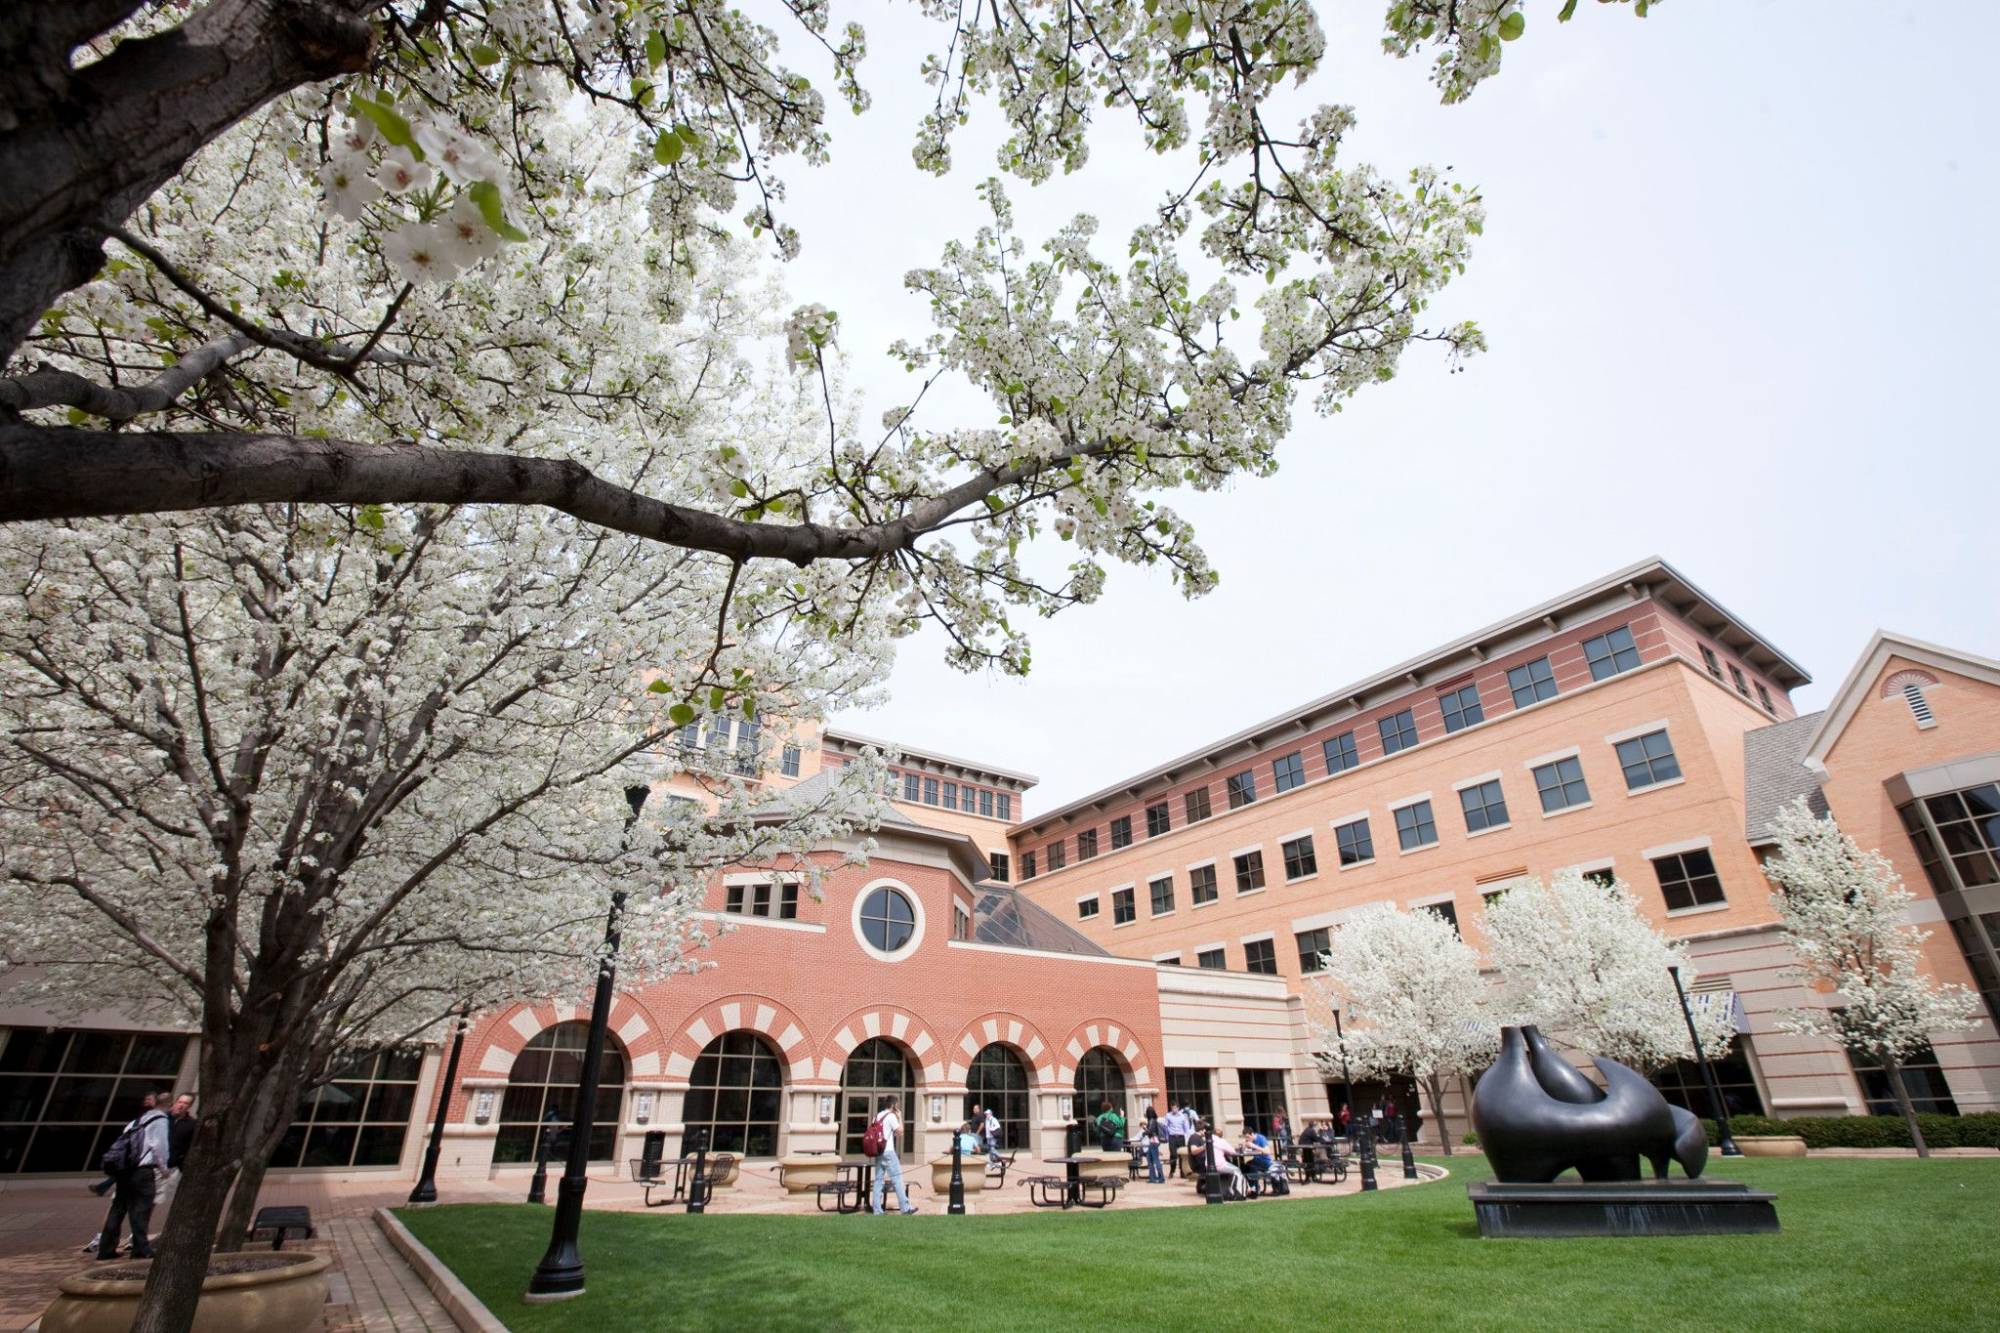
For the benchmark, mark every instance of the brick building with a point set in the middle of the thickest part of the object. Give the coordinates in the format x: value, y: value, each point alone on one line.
x: 1155, y: 938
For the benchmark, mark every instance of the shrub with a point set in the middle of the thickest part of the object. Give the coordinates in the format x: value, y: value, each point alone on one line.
x: 1471, y: 1139
x: 1873, y: 1131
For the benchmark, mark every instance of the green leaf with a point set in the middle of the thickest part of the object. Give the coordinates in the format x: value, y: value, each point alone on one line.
x: 388, y: 124
x: 486, y: 195
x: 656, y: 50
x: 1513, y: 26
x: 482, y: 54
x: 1569, y: 8
x: 371, y: 518
x: 661, y: 687
x: 1183, y: 25
x: 716, y: 698
x: 680, y: 714
x: 77, y: 416
x: 749, y: 710
x: 667, y: 149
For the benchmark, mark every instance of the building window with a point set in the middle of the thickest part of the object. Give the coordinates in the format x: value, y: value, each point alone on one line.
x: 1086, y: 908
x: 887, y: 920
x: 1681, y: 1084
x: 360, y: 1118
x: 1162, y: 890
x: 1561, y: 785
x: 877, y: 1069
x: 1058, y: 855
x: 912, y: 787
x: 718, y: 735
x: 1532, y: 682
x: 690, y: 736
x: 1742, y: 685
x: 788, y: 761
x: 1688, y: 879
x: 1189, y: 1087
x: 1212, y: 959
x: 1124, y: 911
x: 66, y: 1094
x: 998, y: 1082
x: 1004, y: 803
x: 1260, y: 956
x: 1241, y: 788
x: 1086, y: 846
x: 1157, y: 820
x: 1922, y: 1079
x: 1648, y: 760
x: 1250, y: 872
x: 1968, y: 825
x: 1121, y: 832
x: 1197, y: 805
x: 1708, y: 660
x: 737, y: 1092
x: 1354, y: 843
x: 1099, y: 1079
x: 541, y: 1093
x: 762, y: 900
x: 1485, y: 806
x: 1313, y: 944
x: 1263, y: 1098
x: 930, y: 791
x: 998, y: 861
x: 1299, y: 859
x: 1340, y: 752
x: 951, y: 796
x: 1446, y: 909
x: 985, y: 803
x: 961, y: 923
x: 1416, y: 826
x: 1201, y: 885
x: 1764, y: 698
x: 1288, y: 772
x: 1602, y: 877
x: 1461, y: 708
x: 1611, y: 653
x: 1399, y: 731
x: 1027, y: 865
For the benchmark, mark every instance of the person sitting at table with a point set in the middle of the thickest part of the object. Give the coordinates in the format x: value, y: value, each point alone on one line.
x: 1221, y: 1158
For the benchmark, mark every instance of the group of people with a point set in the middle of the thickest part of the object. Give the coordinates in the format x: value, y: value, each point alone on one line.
x: 159, y: 1138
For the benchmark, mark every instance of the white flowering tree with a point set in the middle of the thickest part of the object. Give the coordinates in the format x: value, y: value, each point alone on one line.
x: 1414, y: 1002
x: 1578, y: 959
x: 168, y: 352
x: 1843, y: 912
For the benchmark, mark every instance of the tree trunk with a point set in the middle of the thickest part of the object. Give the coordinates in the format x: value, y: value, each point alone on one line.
x: 174, y: 1285
x: 1434, y: 1083
x: 1894, y: 1068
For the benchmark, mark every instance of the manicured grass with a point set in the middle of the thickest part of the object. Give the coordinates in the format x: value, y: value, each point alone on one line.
x: 1866, y: 1245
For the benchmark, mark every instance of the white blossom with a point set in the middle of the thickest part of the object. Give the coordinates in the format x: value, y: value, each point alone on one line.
x: 399, y: 172
x: 423, y: 252
x: 349, y: 187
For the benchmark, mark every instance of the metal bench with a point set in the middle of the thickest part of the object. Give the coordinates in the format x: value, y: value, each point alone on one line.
x: 280, y: 1219
x: 651, y: 1176
x: 996, y: 1170
x: 1047, y: 1191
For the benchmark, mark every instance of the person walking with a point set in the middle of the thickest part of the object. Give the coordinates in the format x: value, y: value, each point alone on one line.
x: 888, y: 1166
x: 989, y: 1132
x: 137, y: 1178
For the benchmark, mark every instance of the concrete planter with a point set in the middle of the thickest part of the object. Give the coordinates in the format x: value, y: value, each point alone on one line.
x: 1771, y: 1145
x: 1105, y: 1165
x: 972, y: 1173
x: 270, y: 1293
x: 728, y: 1178
x: 801, y: 1175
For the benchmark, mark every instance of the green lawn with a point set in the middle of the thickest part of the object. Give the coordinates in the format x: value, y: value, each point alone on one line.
x: 1866, y: 1244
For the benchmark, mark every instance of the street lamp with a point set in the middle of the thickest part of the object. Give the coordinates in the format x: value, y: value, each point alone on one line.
x: 560, y: 1274
x: 1366, y: 1152
x: 427, y: 1189
x: 1724, y: 1142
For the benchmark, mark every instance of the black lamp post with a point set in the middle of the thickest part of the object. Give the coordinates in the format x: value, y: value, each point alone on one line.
x: 560, y: 1274
x: 1409, y: 1154
x: 1724, y: 1142
x: 1366, y: 1150
x: 427, y: 1188
x: 546, y: 1138
x: 698, y: 1191
x: 956, y: 1208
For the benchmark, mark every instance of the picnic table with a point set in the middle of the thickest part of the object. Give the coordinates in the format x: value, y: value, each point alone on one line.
x: 652, y: 1176
x: 1071, y: 1190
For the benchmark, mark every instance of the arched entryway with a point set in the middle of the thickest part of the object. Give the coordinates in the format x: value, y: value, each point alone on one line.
x: 1100, y: 1078
x: 876, y: 1069
x: 541, y: 1089
x: 737, y: 1092
x: 998, y: 1079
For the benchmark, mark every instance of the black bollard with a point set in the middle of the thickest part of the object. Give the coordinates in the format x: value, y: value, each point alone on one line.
x: 1409, y: 1157
x: 1366, y: 1153
x: 956, y: 1207
x: 698, y: 1191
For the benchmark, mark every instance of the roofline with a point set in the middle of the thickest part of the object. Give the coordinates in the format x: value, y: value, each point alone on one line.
x: 1652, y: 566
x: 979, y: 870
x: 936, y: 756
x: 1840, y: 709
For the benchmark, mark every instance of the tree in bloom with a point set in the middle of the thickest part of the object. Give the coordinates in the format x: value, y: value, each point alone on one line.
x: 176, y: 345
x: 1843, y: 913
x: 1414, y: 1000
x: 1578, y: 960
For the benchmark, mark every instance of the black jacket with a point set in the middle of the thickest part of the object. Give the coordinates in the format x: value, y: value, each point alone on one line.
x: 180, y: 1134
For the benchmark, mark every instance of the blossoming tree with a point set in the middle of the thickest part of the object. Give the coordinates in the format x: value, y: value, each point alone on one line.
x: 1842, y: 911
x: 1577, y: 959
x: 1414, y: 1000
x: 165, y: 349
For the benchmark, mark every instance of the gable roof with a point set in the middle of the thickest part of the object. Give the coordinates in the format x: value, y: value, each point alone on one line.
x: 1774, y: 774
x: 1883, y: 646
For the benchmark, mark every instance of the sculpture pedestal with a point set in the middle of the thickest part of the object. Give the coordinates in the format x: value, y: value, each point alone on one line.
x: 1623, y: 1208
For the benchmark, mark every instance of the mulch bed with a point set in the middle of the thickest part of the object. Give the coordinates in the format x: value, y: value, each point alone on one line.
x: 222, y: 1265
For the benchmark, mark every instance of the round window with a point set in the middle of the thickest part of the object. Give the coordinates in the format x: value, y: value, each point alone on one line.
x: 887, y: 920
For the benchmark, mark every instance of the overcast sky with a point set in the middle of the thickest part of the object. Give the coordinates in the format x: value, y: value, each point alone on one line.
x: 1736, y: 273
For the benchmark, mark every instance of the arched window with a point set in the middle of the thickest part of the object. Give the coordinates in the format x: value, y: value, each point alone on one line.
x: 876, y: 1069
x: 1098, y: 1080
x: 998, y: 1080
x: 736, y: 1092
x: 541, y: 1089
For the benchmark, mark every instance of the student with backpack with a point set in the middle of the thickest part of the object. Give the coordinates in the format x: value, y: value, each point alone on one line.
x: 1110, y: 1128
x: 136, y: 1160
x: 879, y: 1142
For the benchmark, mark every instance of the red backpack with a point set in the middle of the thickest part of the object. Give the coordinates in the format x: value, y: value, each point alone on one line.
x: 875, y: 1137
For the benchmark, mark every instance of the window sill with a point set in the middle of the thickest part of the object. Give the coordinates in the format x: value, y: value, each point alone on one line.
x: 1655, y: 786
x: 1120, y: 925
x: 1251, y: 893
x: 1162, y: 916
x: 1698, y: 909
x: 1210, y: 903
x: 1358, y: 865
x: 1491, y: 828
x: 1567, y: 810
x: 1304, y: 879
x: 1413, y: 851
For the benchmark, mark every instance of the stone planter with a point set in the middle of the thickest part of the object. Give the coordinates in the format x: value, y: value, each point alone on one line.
x: 728, y: 1178
x: 1771, y: 1145
x: 243, y: 1293
x: 1104, y: 1165
x: 801, y: 1175
x: 972, y: 1173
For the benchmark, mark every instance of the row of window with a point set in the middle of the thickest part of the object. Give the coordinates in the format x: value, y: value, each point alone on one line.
x: 761, y: 900
x: 1607, y: 654
x: 1743, y: 686
x: 921, y: 788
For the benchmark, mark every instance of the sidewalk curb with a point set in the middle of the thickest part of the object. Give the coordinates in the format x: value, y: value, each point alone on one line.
x: 466, y: 1309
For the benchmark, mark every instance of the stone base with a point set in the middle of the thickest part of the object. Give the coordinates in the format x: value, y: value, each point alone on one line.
x: 1623, y: 1208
